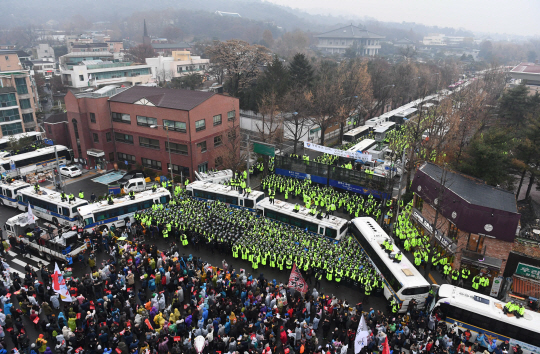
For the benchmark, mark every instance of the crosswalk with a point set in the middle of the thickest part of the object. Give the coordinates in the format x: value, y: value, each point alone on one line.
x: 18, y: 262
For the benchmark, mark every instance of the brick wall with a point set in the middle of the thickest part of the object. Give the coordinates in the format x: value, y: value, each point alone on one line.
x: 58, y: 132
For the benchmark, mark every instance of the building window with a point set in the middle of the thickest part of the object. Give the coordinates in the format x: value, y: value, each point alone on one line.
x: 218, y: 161
x: 81, y: 77
x: 111, y: 156
x: 173, y: 125
x: 231, y: 115
x: 178, y: 170
x: 179, y: 69
x: 25, y: 103
x: 123, y: 138
x: 9, y: 115
x: 218, y: 140
x: 8, y: 100
x: 202, y: 145
x: 156, y: 165
x: 217, y: 119
x: 475, y: 243
x: 92, y: 117
x: 176, y: 148
x: 96, y: 137
x: 452, y: 231
x: 28, y: 117
x: 10, y: 129
x: 108, y: 137
x: 149, y: 143
x: 125, y: 157
x: 203, y: 167
x: 121, y: 117
x: 200, y: 125
x: 21, y: 85
x: 146, y: 121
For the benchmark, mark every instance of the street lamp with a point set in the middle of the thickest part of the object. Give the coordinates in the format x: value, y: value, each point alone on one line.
x: 169, y: 149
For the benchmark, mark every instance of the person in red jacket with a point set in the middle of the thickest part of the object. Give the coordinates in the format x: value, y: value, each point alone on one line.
x: 283, y: 335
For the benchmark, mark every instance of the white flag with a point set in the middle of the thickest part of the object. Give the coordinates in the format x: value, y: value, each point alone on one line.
x: 362, y: 335
x: 59, y: 284
x: 30, y: 215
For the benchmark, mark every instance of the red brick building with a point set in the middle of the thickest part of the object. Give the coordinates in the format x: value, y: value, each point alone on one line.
x: 56, y: 129
x: 476, y: 223
x: 117, y: 125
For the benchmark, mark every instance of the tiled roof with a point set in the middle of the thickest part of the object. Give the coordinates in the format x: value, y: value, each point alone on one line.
x: 166, y: 98
x: 350, y: 32
x: 527, y: 68
x: 56, y: 118
x: 472, y: 190
x: 170, y: 45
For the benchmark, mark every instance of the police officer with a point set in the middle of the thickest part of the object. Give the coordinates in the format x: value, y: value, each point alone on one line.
x: 36, y: 188
x: 81, y: 194
x: 110, y: 199
x: 154, y: 188
x: 71, y: 198
x: 132, y: 195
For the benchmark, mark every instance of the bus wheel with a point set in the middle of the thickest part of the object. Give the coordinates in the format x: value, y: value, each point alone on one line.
x: 41, y: 254
x: 26, y: 209
x: 1, y: 202
x: 55, y: 221
x: 48, y: 257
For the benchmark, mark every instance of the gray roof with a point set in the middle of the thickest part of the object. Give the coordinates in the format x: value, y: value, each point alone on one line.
x: 184, y: 100
x: 473, y: 190
x: 56, y: 118
x: 170, y: 45
x: 350, y: 32
x: 20, y: 53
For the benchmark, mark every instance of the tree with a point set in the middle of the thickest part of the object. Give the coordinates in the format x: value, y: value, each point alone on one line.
x: 531, y: 56
x: 382, y: 86
x: 57, y: 85
x: 301, y: 71
x: 275, y: 78
x: 515, y: 105
x: 140, y: 52
x: 40, y: 84
x: 409, y: 52
x: 240, y: 62
x: 17, y: 144
x: 488, y: 158
x: 60, y: 50
x: 233, y: 156
x: 291, y: 43
x: 173, y: 33
x: 269, y: 128
x: 296, y: 120
x: 267, y: 39
x: 191, y: 81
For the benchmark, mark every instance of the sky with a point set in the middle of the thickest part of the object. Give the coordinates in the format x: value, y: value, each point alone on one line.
x: 495, y: 16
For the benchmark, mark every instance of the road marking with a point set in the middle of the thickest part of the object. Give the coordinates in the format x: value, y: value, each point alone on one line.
x: 39, y: 260
x: 12, y: 254
x: 23, y: 264
x: 21, y: 274
x: 431, y: 278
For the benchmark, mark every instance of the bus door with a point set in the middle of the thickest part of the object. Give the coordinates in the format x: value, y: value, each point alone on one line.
x: 321, y: 230
x: 241, y: 201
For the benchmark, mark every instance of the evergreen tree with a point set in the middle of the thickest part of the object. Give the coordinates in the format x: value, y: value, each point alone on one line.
x: 301, y: 71
x: 275, y: 78
x: 514, y: 105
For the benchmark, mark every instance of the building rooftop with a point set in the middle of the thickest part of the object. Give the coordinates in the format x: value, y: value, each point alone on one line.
x: 170, y: 45
x: 350, y: 32
x: 473, y: 190
x: 184, y: 100
x: 527, y: 68
x: 20, y: 53
x: 89, y: 45
x: 87, y: 54
x: 56, y: 118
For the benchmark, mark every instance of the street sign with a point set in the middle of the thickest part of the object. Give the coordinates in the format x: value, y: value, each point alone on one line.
x: 528, y: 271
x: 264, y: 149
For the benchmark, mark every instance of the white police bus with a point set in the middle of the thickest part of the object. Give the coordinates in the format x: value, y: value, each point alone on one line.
x: 356, y: 133
x: 123, y: 209
x: 212, y: 191
x: 9, y: 191
x: 333, y: 227
x: 35, y: 161
x: 48, y: 205
x: 362, y: 146
x: 402, y: 280
x: 483, y: 314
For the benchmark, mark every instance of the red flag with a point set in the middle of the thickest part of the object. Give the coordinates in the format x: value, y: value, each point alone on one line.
x: 386, y: 348
x: 296, y: 281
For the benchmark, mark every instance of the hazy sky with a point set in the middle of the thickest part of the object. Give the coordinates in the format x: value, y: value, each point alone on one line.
x: 496, y: 16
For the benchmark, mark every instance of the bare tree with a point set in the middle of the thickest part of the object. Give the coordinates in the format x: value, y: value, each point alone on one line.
x: 270, y: 127
x: 382, y: 86
x: 296, y: 121
x: 141, y: 52
x: 163, y: 75
x: 233, y: 156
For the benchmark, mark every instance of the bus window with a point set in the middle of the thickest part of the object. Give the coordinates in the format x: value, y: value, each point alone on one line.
x: 330, y: 233
x: 343, y: 228
x: 164, y: 199
x: 261, y: 197
x: 8, y: 193
x: 321, y: 230
x: 248, y: 203
x: 88, y: 221
x: 241, y: 202
x: 73, y: 210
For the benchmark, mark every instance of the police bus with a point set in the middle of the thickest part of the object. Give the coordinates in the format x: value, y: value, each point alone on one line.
x: 383, y: 129
x: 403, y: 115
x: 226, y: 194
x: 356, y: 133
x: 48, y: 205
x: 35, y: 161
x: 9, y: 191
x: 362, y: 146
x: 483, y: 314
x: 333, y: 227
x: 103, y: 214
x: 402, y: 280
x: 5, y: 142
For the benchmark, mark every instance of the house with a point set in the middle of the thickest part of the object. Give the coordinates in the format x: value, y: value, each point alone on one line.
x: 337, y: 41
x: 527, y: 74
x: 179, y: 64
x: 167, y: 48
x: 404, y: 43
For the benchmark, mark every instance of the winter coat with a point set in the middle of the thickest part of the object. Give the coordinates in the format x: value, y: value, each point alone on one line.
x: 47, y: 310
x: 48, y: 351
x: 55, y: 301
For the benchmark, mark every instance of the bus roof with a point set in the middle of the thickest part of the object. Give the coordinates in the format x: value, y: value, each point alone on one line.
x: 42, y: 151
x: 15, y: 184
x: 485, y: 305
x: 357, y: 130
x: 221, y: 189
x: 51, y: 196
x: 18, y: 136
x: 404, y: 272
x: 333, y: 222
x: 407, y: 111
x: 104, y: 205
x: 384, y: 127
x: 362, y: 146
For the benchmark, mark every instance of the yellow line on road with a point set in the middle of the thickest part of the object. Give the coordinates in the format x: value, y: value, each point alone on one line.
x: 431, y: 278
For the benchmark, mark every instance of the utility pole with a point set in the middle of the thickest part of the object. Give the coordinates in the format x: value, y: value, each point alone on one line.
x: 58, y: 169
x: 247, y: 164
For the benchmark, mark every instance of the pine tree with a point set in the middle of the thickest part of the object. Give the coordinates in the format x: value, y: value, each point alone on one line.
x: 301, y: 71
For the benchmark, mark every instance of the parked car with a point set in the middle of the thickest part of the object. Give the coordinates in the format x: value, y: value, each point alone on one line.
x: 70, y: 171
x: 130, y: 175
